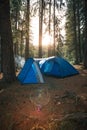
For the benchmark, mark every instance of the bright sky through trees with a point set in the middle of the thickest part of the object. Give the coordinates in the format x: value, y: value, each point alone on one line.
x: 46, y: 40
x: 35, y: 29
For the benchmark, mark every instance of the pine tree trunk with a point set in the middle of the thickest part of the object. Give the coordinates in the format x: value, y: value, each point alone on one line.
x: 49, y: 46
x: 79, y: 39
x: 75, y: 32
x: 6, y: 42
x: 85, y: 44
x: 54, y: 29
x: 40, y: 26
x: 27, y: 30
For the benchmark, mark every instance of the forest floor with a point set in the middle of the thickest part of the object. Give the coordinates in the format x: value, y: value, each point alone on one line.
x: 64, y: 104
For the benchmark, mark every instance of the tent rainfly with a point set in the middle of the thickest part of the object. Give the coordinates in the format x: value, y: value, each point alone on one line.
x: 57, y: 66
x: 30, y: 73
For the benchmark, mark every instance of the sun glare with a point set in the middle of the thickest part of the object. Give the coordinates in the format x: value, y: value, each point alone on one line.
x: 46, y: 40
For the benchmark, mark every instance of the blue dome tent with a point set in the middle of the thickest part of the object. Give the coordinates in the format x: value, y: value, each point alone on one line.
x: 57, y: 66
x: 30, y: 73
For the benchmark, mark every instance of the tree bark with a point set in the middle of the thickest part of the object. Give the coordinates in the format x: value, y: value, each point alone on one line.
x: 49, y: 46
x: 27, y: 30
x: 6, y: 42
x: 40, y: 26
x: 79, y: 33
x: 75, y: 32
x: 54, y: 29
x: 85, y: 44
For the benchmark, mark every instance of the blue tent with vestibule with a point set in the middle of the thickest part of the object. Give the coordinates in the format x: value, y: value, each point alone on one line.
x: 30, y: 73
x: 57, y: 66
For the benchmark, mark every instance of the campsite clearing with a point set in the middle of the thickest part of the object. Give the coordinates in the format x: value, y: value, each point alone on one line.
x: 66, y: 107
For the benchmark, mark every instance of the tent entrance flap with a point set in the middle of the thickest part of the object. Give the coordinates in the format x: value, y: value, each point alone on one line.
x: 30, y: 73
x: 38, y: 73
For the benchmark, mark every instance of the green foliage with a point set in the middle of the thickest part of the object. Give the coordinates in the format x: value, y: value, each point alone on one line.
x: 68, y: 50
x: 15, y: 5
x: 74, y: 42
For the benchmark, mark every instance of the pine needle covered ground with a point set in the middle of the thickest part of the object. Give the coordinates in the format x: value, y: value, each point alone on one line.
x: 65, y: 107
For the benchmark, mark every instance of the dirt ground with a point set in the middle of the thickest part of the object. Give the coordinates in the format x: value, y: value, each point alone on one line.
x: 21, y: 110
